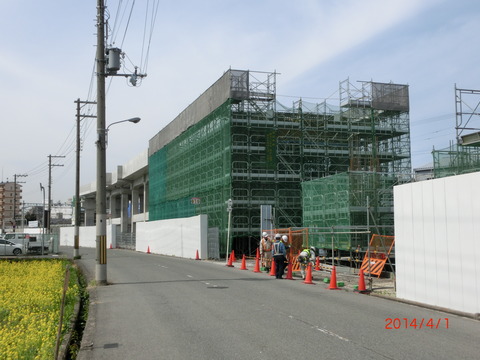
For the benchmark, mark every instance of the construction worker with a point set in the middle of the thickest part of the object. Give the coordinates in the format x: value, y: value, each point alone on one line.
x: 279, y: 254
x: 266, y: 252
x: 285, y: 241
x: 306, y: 257
x: 287, y: 247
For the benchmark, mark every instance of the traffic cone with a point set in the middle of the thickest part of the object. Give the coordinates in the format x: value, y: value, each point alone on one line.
x: 148, y: 250
x: 308, y: 277
x: 273, y: 268
x: 197, y: 257
x: 257, y: 264
x: 244, y: 265
x: 361, y: 282
x: 111, y: 246
x: 317, y: 264
x: 289, y: 271
x: 229, y: 264
x: 233, y: 256
x: 333, y: 280
x: 258, y: 254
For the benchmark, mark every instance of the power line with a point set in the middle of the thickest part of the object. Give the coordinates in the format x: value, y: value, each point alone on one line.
x: 66, y: 149
x: 128, y: 23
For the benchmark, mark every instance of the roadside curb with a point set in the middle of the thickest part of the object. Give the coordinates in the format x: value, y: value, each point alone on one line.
x: 474, y: 316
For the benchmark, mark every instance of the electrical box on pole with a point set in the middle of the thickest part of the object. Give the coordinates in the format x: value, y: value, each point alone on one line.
x: 113, y: 60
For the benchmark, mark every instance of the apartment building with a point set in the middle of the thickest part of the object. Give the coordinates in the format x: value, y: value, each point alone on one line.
x: 10, y: 199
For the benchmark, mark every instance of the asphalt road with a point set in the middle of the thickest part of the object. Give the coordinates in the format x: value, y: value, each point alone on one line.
x: 159, y: 307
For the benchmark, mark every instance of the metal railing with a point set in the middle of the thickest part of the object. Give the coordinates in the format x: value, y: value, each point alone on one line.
x: 125, y: 241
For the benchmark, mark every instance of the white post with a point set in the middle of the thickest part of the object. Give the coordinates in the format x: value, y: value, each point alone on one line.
x: 229, y: 209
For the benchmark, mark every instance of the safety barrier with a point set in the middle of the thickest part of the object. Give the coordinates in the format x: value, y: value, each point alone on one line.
x: 295, y: 264
x: 374, y: 261
x: 375, y: 267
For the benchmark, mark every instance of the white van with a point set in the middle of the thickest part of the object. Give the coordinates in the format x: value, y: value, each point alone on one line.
x: 29, y: 242
x: 17, y: 238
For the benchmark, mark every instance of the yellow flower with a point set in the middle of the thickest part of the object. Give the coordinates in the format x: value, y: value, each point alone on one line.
x: 30, y: 299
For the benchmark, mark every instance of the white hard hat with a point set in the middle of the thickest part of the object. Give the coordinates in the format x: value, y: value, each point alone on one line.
x: 264, y: 234
x: 285, y: 238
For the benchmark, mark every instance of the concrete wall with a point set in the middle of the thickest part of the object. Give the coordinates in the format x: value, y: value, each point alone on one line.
x: 87, y: 236
x: 176, y: 237
x: 437, y: 242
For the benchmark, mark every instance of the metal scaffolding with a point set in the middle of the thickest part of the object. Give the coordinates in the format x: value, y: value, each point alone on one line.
x: 236, y: 141
x: 464, y: 156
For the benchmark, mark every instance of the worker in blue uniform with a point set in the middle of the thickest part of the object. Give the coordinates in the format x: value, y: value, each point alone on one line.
x: 279, y: 254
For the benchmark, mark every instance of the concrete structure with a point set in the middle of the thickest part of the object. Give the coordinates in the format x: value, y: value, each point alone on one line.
x: 61, y: 212
x: 175, y: 237
x: 437, y: 242
x: 127, y: 198
x: 424, y: 172
x: 237, y: 142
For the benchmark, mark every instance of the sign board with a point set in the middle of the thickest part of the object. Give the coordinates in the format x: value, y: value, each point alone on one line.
x: 33, y: 224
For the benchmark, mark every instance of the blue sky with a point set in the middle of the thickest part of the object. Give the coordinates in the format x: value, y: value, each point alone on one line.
x: 48, y: 49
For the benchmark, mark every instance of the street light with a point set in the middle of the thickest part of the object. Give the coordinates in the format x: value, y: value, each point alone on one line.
x: 134, y: 120
x: 101, y: 202
x: 42, y: 189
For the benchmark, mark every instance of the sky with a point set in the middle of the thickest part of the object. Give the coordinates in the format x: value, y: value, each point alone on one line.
x: 47, y: 59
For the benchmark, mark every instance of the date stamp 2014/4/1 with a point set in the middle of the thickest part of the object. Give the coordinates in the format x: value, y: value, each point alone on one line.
x: 423, y: 323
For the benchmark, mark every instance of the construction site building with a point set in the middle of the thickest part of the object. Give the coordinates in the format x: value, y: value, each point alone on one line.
x: 237, y: 142
x: 463, y: 156
x: 455, y: 160
x: 341, y: 211
x: 373, y: 128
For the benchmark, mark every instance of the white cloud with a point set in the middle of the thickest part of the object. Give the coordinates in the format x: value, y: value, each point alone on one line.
x: 313, y: 44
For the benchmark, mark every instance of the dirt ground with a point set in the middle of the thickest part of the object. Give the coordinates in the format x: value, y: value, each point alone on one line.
x: 349, y: 280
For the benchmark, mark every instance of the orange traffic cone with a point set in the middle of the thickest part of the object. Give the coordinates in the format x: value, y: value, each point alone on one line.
x: 111, y: 246
x: 233, y: 256
x: 244, y: 265
x: 317, y: 264
x: 148, y: 250
x: 361, y: 282
x: 258, y: 254
x: 197, y: 257
x: 273, y: 268
x: 333, y: 280
x: 257, y: 264
x: 229, y: 264
x: 289, y: 271
x: 308, y: 277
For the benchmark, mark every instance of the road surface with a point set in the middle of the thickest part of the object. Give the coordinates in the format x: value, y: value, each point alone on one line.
x: 160, y: 307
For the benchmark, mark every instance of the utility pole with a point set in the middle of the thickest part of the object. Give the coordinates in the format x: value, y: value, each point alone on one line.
x: 15, y: 182
x: 101, y: 202
x: 50, y: 165
x: 76, y: 245
x: 104, y: 70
